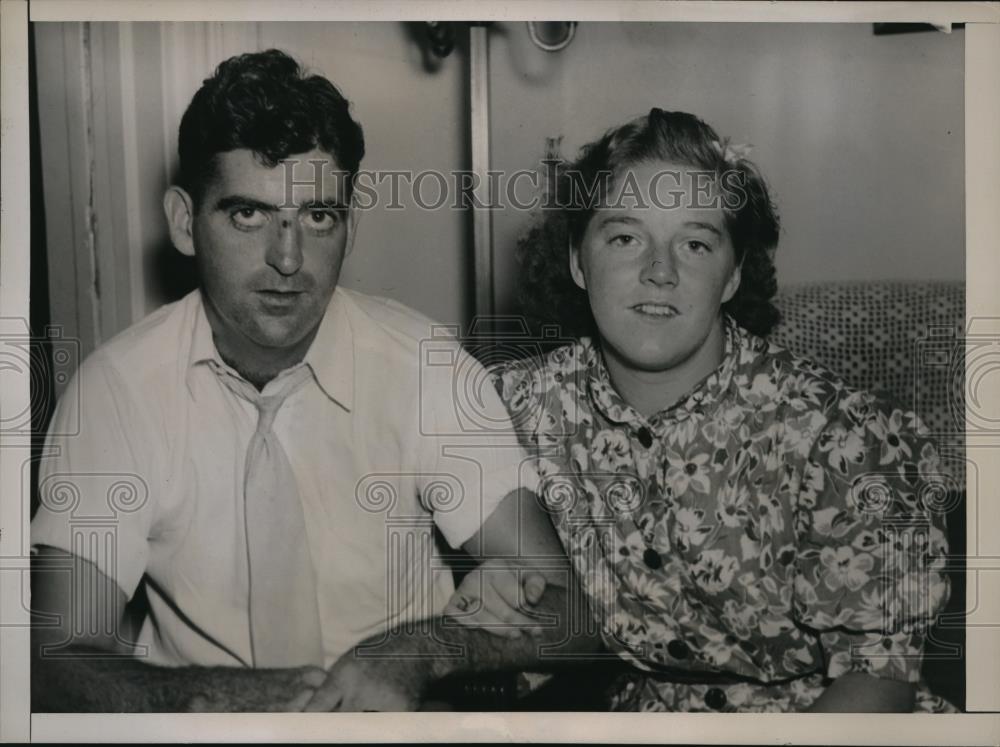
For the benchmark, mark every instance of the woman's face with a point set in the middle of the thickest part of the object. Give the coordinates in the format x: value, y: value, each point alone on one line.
x: 657, y: 264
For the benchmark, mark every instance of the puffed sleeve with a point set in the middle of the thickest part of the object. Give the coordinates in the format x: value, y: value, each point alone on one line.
x: 522, y: 388
x: 869, y: 523
x: 544, y: 408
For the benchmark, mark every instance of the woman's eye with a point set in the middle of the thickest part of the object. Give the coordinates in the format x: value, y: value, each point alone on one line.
x: 623, y: 239
x: 248, y: 217
x: 698, y: 247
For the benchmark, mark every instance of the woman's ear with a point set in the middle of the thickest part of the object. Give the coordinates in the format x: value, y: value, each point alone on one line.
x: 179, y: 208
x: 575, y: 268
x: 733, y: 284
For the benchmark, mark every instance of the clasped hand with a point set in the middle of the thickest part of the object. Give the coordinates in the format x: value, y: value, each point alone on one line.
x: 498, y: 597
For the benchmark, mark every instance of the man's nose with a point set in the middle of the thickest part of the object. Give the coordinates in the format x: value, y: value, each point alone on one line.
x: 285, y: 254
x: 660, y: 267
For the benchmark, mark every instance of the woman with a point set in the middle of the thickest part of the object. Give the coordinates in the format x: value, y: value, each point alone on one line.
x: 750, y: 531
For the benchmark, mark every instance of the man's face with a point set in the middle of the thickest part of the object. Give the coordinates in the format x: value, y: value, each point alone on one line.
x: 269, y: 261
x: 657, y: 276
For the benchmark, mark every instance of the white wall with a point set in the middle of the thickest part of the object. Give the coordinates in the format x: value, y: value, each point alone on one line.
x: 111, y: 96
x: 413, y: 120
x: 860, y: 136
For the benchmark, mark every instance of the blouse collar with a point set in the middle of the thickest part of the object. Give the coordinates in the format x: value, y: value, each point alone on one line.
x: 739, y: 350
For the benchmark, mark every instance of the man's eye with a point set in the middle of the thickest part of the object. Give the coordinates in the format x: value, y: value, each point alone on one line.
x: 321, y: 220
x: 248, y: 217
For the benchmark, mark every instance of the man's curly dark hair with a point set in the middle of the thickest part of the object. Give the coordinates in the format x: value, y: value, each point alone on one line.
x: 265, y: 102
x: 548, y: 293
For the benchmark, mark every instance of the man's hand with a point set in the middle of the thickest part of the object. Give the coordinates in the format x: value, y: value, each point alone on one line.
x: 499, y: 596
x: 371, y: 684
x: 523, y: 584
x: 257, y: 690
x: 410, y: 660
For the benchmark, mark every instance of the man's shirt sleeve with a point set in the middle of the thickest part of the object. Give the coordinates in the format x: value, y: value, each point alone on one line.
x: 470, y: 448
x: 94, y: 484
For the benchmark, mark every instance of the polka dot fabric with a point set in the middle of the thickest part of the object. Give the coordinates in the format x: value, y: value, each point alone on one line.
x: 900, y: 339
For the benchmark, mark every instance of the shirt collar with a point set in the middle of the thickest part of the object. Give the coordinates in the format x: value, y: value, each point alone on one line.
x: 330, y: 357
x: 738, y: 350
x: 203, y: 348
x: 603, y: 393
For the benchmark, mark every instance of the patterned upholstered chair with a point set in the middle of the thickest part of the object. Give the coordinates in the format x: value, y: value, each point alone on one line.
x: 900, y: 339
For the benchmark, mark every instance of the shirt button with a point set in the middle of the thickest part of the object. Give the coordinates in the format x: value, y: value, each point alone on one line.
x: 678, y: 649
x: 645, y: 437
x: 652, y: 558
x: 715, y: 699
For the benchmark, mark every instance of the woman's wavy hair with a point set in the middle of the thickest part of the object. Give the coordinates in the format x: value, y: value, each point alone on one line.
x: 265, y: 102
x: 548, y: 293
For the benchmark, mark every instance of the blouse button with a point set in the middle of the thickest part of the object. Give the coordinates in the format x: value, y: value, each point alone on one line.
x: 645, y: 437
x: 652, y: 558
x: 715, y: 699
x: 677, y: 649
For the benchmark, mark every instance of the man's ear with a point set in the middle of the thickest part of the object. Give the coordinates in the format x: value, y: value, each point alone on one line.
x: 575, y: 268
x: 733, y: 284
x: 179, y: 208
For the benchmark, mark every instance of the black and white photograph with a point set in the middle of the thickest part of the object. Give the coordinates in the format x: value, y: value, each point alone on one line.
x: 642, y: 363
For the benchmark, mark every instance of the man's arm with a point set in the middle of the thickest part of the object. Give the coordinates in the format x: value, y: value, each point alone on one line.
x: 81, y: 655
x: 519, y: 554
x: 391, y: 672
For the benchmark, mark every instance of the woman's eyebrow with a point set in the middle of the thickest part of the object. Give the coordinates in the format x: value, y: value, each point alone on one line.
x: 703, y: 226
x: 607, y: 220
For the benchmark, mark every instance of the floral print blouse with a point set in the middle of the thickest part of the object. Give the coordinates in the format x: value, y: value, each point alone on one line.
x: 771, y: 531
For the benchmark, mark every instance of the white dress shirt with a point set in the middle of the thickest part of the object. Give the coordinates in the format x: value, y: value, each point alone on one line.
x: 397, y: 430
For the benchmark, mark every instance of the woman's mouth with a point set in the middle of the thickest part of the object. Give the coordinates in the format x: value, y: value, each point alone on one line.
x: 661, y: 310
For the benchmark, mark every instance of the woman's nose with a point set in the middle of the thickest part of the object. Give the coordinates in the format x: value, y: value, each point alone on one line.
x: 660, y: 268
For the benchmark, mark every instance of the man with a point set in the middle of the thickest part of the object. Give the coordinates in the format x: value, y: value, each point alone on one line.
x: 284, y: 450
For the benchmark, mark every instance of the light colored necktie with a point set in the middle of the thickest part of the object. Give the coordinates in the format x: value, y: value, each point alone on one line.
x: 284, y: 613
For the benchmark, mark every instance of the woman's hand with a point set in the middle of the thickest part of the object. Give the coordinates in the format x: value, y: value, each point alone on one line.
x: 856, y: 692
x: 499, y: 596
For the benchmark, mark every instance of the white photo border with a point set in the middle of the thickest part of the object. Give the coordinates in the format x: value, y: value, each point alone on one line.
x: 982, y: 101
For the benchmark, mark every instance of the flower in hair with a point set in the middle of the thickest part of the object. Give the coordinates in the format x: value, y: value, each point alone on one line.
x: 732, y: 152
